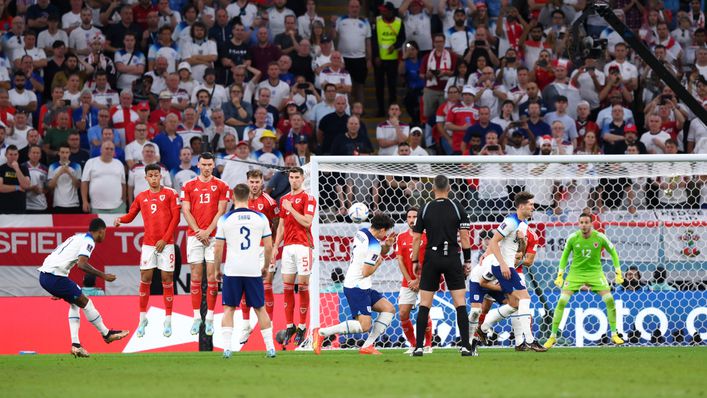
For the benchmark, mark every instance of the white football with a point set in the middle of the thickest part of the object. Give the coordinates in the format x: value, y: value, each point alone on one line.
x: 358, y: 212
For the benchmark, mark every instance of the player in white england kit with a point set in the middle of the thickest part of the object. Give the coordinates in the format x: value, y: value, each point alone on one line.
x: 54, y: 278
x: 243, y: 230
x: 502, y: 249
x: 367, y: 254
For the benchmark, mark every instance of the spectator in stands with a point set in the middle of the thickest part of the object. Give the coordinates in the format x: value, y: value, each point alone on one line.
x: 697, y: 135
x: 659, y: 281
x: 56, y: 135
x: 351, y: 142
x: 116, y: 33
x: 21, y: 98
x: 326, y: 106
x: 64, y: 180
x: 253, y: 132
x: 632, y: 280
x: 264, y: 52
x: 674, y: 184
x: 134, y: 150
x: 103, y: 183
x: 185, y: 171
x: 589, y: 145
x: 613, y: 133
x: 108, y: 135
x: 123, y: 116
x: 290, y: 137
x: 631, y: 139
x: 268, y: 154
x: 584, y: 122
x: 12, y: 42
x: 95, y: 133
x: 85, y: 116
x: 437, y: 67
x: 391, y: 132
x: 14, y: 183
x: 460, y: 118
x: 331, y: 126
x: 7, y: 110
x: 654, y: 139
x: 38, y: 13
x: 278, y: 90
x: 36, y: 55
x: 129, y: 62
x: 222, y: 31
x: 78, y: 154
x: 218, y: 130
x: 561, y: 87
x: 415, y: 142
x: 535, y: 123
x: 482, y: 127
x: 335, y: 74
x: 136, y: 176
x: 190, y: 126
x: 36, y: 193
x: 200, y: 52
x: 104, y: 97
x: 287, y: 41
x: 590, y: 82
x: 218, y: 93
x: 13, y: 136
x: 568, y: 122
x: 169, y: 142
x: 389, y: 34
x: 101, y: 62
x: 234, y: 166
x: 409, y: 69
x: 237, y: 112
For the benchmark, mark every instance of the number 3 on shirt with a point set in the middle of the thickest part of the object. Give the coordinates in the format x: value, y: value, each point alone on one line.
x: 205, y: 198
x: 246, y: 236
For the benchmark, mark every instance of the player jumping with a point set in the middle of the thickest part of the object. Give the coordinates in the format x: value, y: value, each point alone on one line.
x: 54, y: 278
x: 298, y: 209
x: 503, y: 246
x: 366, y: 257
x: 204, y: 201
x: 243, y: 230
x: 160, y: 214
x: 262, y: 203
x: 586, y: 245
x: 411, y: 282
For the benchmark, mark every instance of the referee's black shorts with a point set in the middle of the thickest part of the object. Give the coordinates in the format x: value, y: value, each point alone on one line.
x: 436, y: 265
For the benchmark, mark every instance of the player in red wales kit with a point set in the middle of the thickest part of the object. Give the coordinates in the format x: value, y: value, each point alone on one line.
x: 160, y: 214
x: 407, y: 297
x: 297, y: 212
x: 204, y: 201
x: 262, y: 203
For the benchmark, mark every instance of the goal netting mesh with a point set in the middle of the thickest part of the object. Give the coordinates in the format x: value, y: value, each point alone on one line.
x: 653, y: 208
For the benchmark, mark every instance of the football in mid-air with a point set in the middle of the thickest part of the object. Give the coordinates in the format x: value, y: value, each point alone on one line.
x: 358, y: 212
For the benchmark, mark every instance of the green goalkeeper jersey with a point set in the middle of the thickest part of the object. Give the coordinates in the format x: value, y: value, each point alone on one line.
x: 586, y: 255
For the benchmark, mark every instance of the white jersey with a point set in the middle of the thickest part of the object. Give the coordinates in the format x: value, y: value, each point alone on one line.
x: 65, y: 256
x: 509, y: 244
x: 365, y: 250
x: 243, y: 229
x: 482, y: 271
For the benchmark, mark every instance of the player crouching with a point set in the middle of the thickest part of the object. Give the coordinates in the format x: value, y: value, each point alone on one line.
x: 243, y: 230
x: 366, y: 257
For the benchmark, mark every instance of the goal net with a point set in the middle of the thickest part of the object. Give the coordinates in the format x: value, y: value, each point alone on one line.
x: 652, y: 207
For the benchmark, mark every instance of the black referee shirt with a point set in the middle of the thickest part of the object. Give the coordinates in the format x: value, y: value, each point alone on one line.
x: 442, y: 219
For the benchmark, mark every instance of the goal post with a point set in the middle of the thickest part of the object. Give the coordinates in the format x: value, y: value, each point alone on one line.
x: 652, y: 207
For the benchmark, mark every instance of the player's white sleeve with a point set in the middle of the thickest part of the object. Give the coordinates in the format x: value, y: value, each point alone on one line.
x: 87, y: 245
x: 374, y: 252
x: 266, y: 226
x: 219, y: 228
x: 508, y: 226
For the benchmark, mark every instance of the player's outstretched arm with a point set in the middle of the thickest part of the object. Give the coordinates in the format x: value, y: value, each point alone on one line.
x: 82, y: 264
x: 128, y: 218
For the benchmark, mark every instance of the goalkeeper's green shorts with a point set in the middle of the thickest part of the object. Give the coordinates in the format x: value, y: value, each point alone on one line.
x: 595, y: 283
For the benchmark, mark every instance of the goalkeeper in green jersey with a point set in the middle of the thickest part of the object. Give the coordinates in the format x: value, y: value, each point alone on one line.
x: 586, y: 246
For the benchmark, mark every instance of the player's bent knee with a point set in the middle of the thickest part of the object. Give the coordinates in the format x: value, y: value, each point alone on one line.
x: 81, y: 301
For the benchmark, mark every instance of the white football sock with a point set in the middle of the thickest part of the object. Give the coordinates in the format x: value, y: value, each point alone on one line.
x: 524, y: 320
x: 496, y: 315
x: 143, y: 316
x: 346, y: 327
x: 197, y: 314
x: 74, y: 323
x: 168, y: 319
x: 267, y: 338
x: 517, y: 330
x: 227, y: 335
x: 379, y: 326
x: 210, y: 315
x: 94, y: 317
x: 302, y: 326
x: 473, y: 322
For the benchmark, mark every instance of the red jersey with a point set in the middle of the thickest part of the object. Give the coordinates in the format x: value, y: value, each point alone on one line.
x: 265, y: 204
x: 461, y: 115
x: 295, y: 233
x: 203, y: 198
x: 530, y: 247
x: 404, y: 249
x: 160, y: 214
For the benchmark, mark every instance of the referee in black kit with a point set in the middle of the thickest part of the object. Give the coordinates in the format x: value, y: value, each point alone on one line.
x: 442, y: 219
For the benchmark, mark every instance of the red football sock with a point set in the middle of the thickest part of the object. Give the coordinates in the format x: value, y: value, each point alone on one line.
x: 168, y: 297
x: 245, y: 309
x: 428, y: 333
x: 289, y: 303
x: 409, y: 331
x: 481, y: 319
x: 269, y: 299
x: 211, y: 293
x: 195, y: 294
x: 303, y: 304
x: 144, y: 295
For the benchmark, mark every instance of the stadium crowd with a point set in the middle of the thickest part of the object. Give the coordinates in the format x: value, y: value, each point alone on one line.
x: 92, y: 91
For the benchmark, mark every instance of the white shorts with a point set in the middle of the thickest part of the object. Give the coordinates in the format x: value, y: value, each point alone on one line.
x: 296, y: 259
x: 197, y: 252
x: 407, y: 296
x: 150, y: 259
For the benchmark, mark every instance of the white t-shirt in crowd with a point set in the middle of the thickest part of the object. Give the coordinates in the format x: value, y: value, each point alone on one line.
x: 66, y: 194
x: 106, y: 182
x: 353, y: 33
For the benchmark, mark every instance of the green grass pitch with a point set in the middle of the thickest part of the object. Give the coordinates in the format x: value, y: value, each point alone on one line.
x: 589, y: 372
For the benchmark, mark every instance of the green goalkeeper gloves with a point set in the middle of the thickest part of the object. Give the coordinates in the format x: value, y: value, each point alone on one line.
x: 619, y: 277
x: 559, y: 280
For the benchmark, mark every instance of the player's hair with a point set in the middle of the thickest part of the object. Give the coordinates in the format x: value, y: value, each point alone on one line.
x: 382, y: 221
x: 522, y: 198
x: 207, y: 156
x: 297, y: 170
x: 585, y: 214
x: 254, y: 173
x: 241, y: 192
x: 441, y: 183
x: 96, y: 224
x: 152, y: 167
x: 412, y: 208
